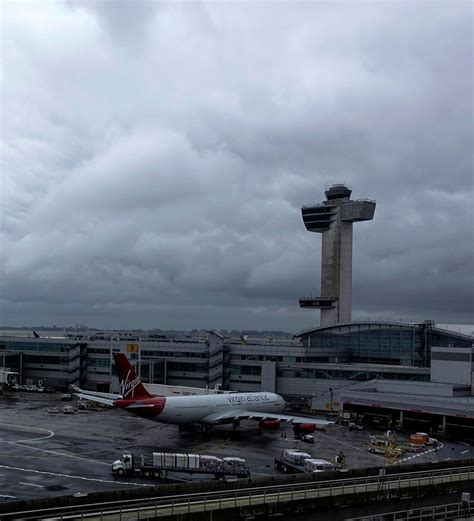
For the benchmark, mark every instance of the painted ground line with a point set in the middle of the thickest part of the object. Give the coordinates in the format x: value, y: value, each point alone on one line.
x: 30, y: 484
x: 57, y: 474
x: 440, y: 446
x: 73, y: 456
x: 349, y: 445
x: 464, y: 451
x: 33, y: 429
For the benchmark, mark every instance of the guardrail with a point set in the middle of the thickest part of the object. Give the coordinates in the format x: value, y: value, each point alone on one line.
x: 250, y: 496
x: 439, y: 512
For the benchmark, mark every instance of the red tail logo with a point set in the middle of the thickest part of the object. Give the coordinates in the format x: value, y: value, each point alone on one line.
x: 130, y: 385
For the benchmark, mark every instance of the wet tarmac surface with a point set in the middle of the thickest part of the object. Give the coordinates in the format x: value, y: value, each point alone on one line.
x: 47, y: 454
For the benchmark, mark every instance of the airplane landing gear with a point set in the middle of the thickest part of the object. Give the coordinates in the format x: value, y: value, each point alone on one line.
x: 205, y: 430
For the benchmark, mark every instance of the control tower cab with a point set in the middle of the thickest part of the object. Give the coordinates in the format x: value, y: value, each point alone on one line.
x: 333, y: 218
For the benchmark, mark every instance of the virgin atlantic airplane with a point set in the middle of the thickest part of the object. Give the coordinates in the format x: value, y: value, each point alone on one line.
x: 207, y: 410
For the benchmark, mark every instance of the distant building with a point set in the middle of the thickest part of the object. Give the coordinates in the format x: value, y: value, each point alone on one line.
x: 47, y: 361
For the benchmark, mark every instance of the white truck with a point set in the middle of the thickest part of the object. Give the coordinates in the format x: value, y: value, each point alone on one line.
x: 292, y: 460
x: 158, y: 464
x: 317, y: 465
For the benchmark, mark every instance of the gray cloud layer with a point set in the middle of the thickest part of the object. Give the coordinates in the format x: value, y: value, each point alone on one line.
x: 156, y: 155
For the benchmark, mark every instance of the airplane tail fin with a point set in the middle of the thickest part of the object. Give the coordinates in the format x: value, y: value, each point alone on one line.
x: 35, y: 334
x: 130, y: 385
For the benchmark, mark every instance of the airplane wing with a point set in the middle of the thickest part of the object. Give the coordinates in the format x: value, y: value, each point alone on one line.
x: 225, y: 417
x: 95, y: 396
x: 98, y: 399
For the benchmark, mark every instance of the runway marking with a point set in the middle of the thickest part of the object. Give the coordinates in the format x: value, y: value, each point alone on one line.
x: 464, y: 452
x: 225, y: 442
x: 57, y: 453
x: 23, y: 427
x: 464, y: 443
x: 30, y: 484
x: 57, y: 474
x: 418, y: 454
x: 349, y: 445
x: 7, y: 497
x: 447, y: 459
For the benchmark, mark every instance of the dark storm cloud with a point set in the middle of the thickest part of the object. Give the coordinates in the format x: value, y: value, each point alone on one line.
x: 155, y: 162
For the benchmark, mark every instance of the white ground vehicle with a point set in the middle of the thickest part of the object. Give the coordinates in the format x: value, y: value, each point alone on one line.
x: 291, y: 460
x: 317, y: 465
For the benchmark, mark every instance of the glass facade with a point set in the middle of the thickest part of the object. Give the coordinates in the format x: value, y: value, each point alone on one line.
x: 385, y: 343
x: 344, y: 374
x: 24, y: 345
x: 254, y: 370
x: 187, y: 367
x: 173, y: 354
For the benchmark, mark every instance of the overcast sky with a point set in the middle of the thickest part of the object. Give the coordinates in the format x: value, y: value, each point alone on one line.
x: 156, y: 156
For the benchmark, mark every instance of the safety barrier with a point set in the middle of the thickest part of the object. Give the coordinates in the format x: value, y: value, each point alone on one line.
x: 462, y: 510
x: 382, y: 485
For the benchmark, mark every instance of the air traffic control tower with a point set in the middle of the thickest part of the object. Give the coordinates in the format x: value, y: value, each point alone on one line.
x: 333, y: 218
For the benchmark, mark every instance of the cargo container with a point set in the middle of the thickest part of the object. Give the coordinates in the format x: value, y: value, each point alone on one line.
x: 159, y: 464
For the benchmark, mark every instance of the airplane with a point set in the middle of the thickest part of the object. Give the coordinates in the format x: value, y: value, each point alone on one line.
x: 207, y: 410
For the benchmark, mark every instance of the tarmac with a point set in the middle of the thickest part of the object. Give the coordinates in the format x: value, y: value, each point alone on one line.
x: 48, y: 453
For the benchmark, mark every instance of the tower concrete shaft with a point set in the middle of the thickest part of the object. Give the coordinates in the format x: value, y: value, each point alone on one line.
x: 334, y: 219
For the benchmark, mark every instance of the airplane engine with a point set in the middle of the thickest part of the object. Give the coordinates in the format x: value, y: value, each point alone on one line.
x: 269, y: 425
x: 306, y: 428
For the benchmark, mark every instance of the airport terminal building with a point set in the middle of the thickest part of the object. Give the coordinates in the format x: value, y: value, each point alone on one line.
x: 306, y: 370
x: 410, y: 376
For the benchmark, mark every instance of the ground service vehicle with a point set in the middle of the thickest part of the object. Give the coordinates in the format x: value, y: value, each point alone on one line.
x: 420, y: 439
x: 387, y: 446
x: 317, y: 465
x: 292, y: 460
x: 158, y: 464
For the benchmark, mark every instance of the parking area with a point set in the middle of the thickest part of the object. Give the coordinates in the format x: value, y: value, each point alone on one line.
x: 46, y: 451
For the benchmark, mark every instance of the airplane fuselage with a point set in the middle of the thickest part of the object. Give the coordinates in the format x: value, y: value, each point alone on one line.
x: 182, y: 410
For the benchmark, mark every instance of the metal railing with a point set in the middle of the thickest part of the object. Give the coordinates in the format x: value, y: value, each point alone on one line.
x: 462, y: 510
x: 253, y: 495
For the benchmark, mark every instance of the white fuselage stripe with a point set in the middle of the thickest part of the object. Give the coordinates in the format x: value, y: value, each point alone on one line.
x: 190, y: 409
